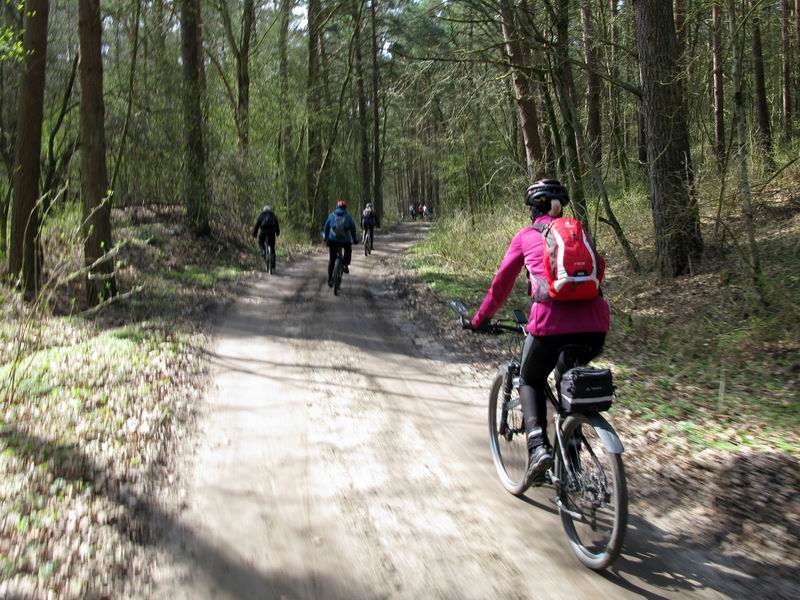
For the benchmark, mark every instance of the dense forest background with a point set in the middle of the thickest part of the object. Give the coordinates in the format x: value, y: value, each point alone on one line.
x: 214, y: 108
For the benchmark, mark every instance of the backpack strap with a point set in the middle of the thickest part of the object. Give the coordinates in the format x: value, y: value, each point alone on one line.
x: 542, y: 227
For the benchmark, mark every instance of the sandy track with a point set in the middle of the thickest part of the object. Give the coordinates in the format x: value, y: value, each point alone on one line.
x: 336, y: 460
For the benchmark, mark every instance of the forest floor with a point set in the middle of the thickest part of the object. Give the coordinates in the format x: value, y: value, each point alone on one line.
x: 93, y: 403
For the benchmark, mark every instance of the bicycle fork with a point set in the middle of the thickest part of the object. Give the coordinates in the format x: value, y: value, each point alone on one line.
x: 511, y: 371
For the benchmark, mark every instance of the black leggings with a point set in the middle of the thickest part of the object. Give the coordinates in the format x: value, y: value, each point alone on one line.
x: 539, y: 357
x: 333, y: 250
x: 267, y: 239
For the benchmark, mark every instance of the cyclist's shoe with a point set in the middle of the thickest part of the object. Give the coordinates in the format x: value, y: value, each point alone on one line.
x: 540, y: 461
x: 330, y: 282
x: 346, y: 269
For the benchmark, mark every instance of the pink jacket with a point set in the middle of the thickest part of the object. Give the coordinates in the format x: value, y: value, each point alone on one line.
x: 547, y: 317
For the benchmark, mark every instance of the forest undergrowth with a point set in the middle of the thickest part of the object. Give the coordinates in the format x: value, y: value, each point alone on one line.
x: 91, y: 401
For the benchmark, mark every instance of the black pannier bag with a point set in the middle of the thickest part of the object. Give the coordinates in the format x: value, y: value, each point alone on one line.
x: 586, y: 389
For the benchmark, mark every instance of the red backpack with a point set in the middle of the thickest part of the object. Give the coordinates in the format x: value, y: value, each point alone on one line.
x: 574, y: 271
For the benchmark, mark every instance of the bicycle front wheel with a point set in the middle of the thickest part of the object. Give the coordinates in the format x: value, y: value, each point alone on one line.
x: 507, y: 438
x: 593, y: 494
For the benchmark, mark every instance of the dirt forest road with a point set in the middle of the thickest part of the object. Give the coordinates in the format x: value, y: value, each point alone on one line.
x: 336, y: 458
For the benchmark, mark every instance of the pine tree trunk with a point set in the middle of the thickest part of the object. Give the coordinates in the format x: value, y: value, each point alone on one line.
x: 197, y: 196
x: 314, y: 107
x: 564, y: 87
x: 594, y: 130
x: 762, y: 108
x: 100, y: 282
x: 719, y: 90
x: 361, y: 101
x: 526, y: 106
x: 741, y: 121
x: 787, y: 72
x: 287, y: 158
x: 675, y: 211
x: 23, y: 257
x: 243, y: 75
x: 377, y: 158
x: 617, y: 120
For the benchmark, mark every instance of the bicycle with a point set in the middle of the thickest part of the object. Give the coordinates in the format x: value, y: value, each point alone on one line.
x: 588, y: 473
x: 268, y: 260
x: 338, y: 271
x: 367, y: 241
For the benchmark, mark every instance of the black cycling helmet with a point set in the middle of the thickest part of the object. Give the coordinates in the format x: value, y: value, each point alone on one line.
x: 540, y: 193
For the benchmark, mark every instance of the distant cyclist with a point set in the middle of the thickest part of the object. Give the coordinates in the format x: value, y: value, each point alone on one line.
x: 267, y: 229
x: 413, y: 211
x: 339, y: 232
x: 369, y: 220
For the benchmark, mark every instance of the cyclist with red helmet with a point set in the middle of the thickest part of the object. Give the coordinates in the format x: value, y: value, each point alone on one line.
x: 551, y: 325
x: 339, y: 232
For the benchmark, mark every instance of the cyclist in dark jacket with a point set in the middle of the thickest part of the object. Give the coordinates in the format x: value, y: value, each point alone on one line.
x: 267, y: 229
x: 369, y: 220
x: 339, y: 232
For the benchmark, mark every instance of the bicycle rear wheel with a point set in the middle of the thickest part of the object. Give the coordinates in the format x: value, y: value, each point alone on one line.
x: 268, y: 258
x: 508, y: 443
x: 593, y: 499
x: 337, y: 276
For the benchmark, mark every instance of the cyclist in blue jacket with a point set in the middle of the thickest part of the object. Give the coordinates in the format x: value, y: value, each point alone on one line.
x: 339, y: 232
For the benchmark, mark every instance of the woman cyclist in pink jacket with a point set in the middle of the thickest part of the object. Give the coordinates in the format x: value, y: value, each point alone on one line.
x: 551, y: 324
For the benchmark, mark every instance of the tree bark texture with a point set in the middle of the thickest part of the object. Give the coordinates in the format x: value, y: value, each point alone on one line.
x: 377, y: 154
x: 361, y: 100
x: 100, y: 281
x: 617, y: 121
x: 594, y: 130
x: 760, y: 88
x: 786, y: 71
x: 719, y: 89
x: 675, y: 211
x: 23, y: 257
x: 526, y: 105
x: 564, y: 88
x: 197, y: 195
x: 287, y: 155
x: 741, y: 121
x: 314, y: 109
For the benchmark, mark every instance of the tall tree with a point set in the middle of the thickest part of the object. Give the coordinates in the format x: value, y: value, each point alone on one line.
x: 786, y: 62
x: 617, y: 123
x: 526, y: 105
x: 240, y: 47
x: 719, y: 90
x: 741, y: 120
x: 287, y: 155
x: 377, y: 154
x: 675, y: 211
x: 361, y: 101
x: 23, y: 257
x: 197, y: 194
x: 593, y: 88
x: 314, y: 109
x: 760, y: 88
x: 100, y: 281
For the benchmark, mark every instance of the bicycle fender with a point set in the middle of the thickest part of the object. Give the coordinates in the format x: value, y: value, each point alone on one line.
x: 607, y: 434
